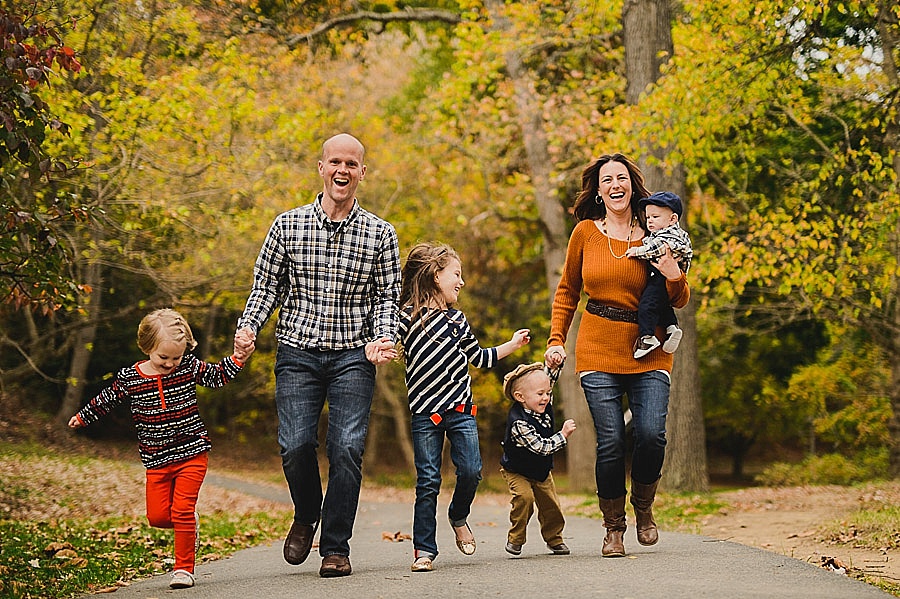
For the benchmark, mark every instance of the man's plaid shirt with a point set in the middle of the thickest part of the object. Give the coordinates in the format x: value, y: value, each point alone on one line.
x: 337, y: 283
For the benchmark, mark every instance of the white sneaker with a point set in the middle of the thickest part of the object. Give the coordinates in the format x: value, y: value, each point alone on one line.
x: 181, y: 579
x: 673, y: 339
x: 644, y: 345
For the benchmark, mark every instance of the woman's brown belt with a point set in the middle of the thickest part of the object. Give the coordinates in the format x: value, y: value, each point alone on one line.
x: 611, y: 312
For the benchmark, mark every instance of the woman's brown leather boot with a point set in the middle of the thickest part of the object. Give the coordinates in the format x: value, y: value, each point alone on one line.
x: 614, y: 521
x: 642, y: 497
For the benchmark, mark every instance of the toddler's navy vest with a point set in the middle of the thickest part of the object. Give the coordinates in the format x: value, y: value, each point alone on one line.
x: 521, y: 460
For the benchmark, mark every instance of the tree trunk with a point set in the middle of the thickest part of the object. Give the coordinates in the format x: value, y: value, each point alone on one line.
x: 81, y: 348
x: 581, y: 451
x: 894, y: 422
x: 205, y: 347
x: 647, y: 26
x: 648, y: 45
x: 582, y: 447
x: 889, y: 42
x: 685, y: 468
x: 399, y: 411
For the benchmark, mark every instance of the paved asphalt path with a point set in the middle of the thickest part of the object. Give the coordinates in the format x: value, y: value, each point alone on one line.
x: 679, y: 566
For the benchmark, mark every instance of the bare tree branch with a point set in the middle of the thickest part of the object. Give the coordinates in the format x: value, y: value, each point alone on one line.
x: 32, y: 366
x: 408, y: 15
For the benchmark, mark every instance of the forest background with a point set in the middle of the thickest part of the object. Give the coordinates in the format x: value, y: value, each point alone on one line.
x: 147, y: 146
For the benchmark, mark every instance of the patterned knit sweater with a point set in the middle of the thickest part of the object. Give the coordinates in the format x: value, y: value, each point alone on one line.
x: 606, y: 345
x: 164, y: 408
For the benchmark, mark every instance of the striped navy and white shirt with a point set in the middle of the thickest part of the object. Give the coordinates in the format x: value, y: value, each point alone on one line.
x: 439, y: 346
x: 337, y: 283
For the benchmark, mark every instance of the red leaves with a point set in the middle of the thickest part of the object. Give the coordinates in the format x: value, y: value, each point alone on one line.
x: 65, y: 57
x: 29, y: 52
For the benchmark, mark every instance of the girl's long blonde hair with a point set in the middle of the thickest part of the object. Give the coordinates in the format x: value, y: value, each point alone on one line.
x: 418, y: 286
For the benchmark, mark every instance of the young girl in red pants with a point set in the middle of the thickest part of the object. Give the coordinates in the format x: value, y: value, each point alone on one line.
x: 172, y: 439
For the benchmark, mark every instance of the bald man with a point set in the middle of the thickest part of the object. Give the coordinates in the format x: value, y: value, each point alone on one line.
x: 333, y: 269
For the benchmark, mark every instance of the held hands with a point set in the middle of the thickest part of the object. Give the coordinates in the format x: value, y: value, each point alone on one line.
x: 568, y: 428
x: 380, y: 351
x: 555, y: 356
x: 244, y: 344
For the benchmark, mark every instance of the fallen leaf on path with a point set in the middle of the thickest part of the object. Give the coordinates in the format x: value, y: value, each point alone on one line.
x: 395, y: 537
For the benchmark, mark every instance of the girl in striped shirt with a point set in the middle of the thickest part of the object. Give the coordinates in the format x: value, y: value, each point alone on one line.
x: 438, y: 346
x: 172, y: 439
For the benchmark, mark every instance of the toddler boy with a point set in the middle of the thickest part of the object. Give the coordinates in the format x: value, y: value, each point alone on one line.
x: 528, y: 448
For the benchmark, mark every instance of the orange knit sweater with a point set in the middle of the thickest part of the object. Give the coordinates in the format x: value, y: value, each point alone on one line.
x: 602, y: 344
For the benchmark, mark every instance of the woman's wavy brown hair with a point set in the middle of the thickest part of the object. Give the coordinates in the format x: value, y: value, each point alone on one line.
x: 586, y: 204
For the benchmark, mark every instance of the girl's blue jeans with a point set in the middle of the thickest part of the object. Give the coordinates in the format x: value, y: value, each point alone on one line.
x: 428, y: 444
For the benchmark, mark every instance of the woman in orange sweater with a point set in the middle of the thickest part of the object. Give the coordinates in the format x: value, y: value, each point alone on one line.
x: 610, y: 223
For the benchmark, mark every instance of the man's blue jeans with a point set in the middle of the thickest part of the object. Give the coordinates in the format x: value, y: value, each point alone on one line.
x: 428, y: 444
x: 304, y: 379
x: 648, y: 398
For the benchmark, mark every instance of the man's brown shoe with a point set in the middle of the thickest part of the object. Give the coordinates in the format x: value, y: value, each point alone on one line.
x: 334, y: 566
x: 298, y: 543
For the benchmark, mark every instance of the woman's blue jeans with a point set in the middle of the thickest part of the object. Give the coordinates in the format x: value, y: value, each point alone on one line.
x: 648, y: 398
x: 428, y: 444
x: 304, y: 379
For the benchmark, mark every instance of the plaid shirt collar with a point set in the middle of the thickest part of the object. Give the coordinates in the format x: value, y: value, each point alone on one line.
x: 542, y: 417
x: 322, y: 219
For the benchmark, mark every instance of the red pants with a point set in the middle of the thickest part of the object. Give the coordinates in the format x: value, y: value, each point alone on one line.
x: 172, y: 501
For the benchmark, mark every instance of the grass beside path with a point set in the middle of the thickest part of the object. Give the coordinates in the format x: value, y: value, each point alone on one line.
x: 69, y: 558
x: 72, y: 524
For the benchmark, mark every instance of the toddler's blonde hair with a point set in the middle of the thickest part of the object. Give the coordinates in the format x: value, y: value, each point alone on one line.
x: 161, y: 325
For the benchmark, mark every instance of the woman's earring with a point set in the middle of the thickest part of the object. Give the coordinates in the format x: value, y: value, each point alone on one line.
x: 598, y: 200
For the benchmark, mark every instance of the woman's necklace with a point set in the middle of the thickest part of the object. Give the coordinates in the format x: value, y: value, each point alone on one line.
x: 609, y: 243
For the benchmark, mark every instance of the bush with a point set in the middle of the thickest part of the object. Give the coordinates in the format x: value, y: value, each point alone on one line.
x: 828, y: 469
